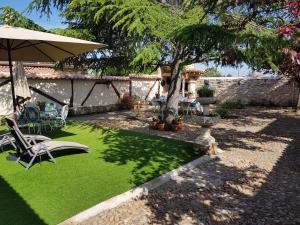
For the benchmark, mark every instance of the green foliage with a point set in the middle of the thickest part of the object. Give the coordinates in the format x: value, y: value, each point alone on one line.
x: 78, y: 33
x: 212, y: 72
x: 225, y: 108
x: 144, y: 34
x: 233, y: 105
x: 177, y: 120
x: 205, y: 92
x: 223, y: 112
x: 10, y: 16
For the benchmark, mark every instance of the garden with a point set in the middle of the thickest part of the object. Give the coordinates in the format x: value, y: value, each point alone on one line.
x: 50, y: 193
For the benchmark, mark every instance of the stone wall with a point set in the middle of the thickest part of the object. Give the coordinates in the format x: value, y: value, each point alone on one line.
x: 255, y: 91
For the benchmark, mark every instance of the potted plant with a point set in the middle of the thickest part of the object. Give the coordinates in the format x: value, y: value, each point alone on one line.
x: 205, y: 92
x: 177, y: 123
x: 160, y: 124
x: 206, y: 97
x: 136, y: 102
x: 208, y: 121
x: 127, y: 102
x: 153, y: 124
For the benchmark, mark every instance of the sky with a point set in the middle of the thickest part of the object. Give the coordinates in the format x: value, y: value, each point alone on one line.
x: 241, y: 70
x: 55, y: 21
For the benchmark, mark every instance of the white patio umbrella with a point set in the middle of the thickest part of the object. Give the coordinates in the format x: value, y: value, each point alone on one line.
x: 19, y: 44
x: 20, y: 81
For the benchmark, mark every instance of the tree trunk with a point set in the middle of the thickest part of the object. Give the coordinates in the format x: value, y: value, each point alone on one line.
x: 297, y: 100
x: 173, y: 95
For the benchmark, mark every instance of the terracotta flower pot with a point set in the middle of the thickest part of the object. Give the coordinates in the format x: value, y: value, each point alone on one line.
x: 136, y: 105
x: 175, y: 127
x: 160, y: 126
x: 153, y: 125
x: 180, y: 125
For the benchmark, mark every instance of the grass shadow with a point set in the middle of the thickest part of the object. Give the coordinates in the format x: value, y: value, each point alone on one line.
x: 13, y: 209
x: 151, y: 155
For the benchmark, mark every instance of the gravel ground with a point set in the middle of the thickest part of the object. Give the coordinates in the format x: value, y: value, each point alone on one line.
x: 139, y: 122
x: 256, y: 180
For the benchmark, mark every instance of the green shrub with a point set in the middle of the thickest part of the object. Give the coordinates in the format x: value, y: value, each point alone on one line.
x: 205, y: 92
x: 233, y: 105
x: 223, y: 112
x: 224, y: 109
x: 2, y: 120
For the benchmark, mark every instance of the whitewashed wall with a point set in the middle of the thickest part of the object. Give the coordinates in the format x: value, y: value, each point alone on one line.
x: 101, y: 95
x: 142, y: 87
x: 252, y: 91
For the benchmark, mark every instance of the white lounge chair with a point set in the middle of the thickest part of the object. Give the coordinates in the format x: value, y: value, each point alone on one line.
x: 38, y: 149
x: 8, y: 139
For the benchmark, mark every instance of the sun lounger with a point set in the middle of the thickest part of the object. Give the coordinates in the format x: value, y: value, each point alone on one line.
x: 39, y: 149
x: 8, y: 139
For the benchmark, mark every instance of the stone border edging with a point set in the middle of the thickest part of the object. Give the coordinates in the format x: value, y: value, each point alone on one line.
x: 135, y: 192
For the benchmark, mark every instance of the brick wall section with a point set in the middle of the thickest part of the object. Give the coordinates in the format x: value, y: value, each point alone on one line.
x: 262, y: 91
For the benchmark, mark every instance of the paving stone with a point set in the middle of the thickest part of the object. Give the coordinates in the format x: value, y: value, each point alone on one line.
x: 255, y: 181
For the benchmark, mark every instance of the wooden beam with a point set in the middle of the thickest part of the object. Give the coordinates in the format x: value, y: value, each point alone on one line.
x: 89, y: 94
x: 116, y: 90
x: 71, y: 103
x: 151, y: 89
x: 47, y: 96
x: 130, y: 88
x: 4, y: 82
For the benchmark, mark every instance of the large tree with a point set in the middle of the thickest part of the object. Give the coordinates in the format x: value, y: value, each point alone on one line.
x: 283, y: 15
x: 172, y: 33
x: 10, y: 16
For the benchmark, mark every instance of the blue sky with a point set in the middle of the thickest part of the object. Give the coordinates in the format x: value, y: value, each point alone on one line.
x: 241, y: 70
x: 55, y: 21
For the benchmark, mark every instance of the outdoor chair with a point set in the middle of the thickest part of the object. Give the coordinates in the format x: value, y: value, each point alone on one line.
x: 194, y: 106
x: 38, y: 149
x: 33, y: 119
x: 156, y: 104
x: 8, y: 139
x: 61, y: 119
x: 51, y: 109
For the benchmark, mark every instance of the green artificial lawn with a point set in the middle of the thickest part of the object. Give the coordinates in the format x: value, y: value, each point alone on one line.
x: 50, y: 193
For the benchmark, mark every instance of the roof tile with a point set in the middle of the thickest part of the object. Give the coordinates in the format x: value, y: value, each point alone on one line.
x: 34, y: 72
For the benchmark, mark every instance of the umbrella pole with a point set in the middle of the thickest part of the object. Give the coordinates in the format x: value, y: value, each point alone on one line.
x: 11, y: 76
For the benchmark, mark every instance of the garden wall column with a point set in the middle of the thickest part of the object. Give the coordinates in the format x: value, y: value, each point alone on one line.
x: 183, y: 86
x: 192, y: 86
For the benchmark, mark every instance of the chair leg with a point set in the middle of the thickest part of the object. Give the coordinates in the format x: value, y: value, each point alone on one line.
x: 30, y: 163
x: 51, y: 157
x: 13, y: 144
x: 18, y: 159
